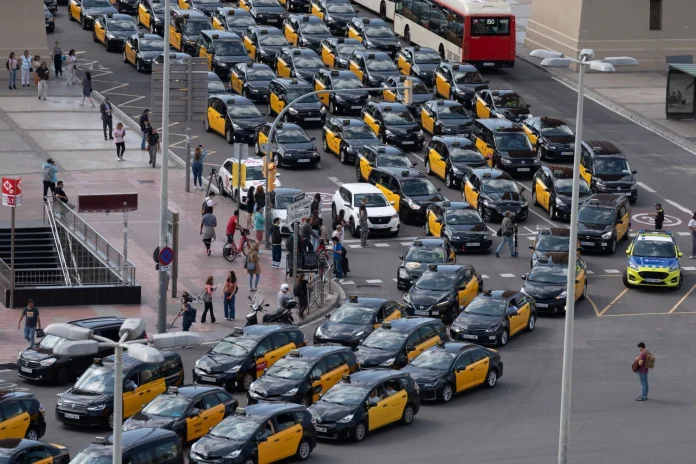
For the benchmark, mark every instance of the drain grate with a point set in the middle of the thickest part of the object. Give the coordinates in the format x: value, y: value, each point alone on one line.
x: 146, y: 181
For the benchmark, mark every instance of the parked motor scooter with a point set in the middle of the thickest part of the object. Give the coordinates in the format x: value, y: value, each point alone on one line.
x: 257, y: 304
x: 283, y: 315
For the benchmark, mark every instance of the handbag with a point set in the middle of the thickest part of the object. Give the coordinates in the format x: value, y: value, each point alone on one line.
x: 500, y: 232
x: 207, y: 297
x: 635, y: 366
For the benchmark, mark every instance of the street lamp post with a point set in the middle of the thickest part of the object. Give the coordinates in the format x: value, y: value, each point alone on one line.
x: 555, y: 59
x: 84, y: 342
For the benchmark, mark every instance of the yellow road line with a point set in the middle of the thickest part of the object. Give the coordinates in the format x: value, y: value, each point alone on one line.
x: 682, y: 299
x: 612, y: 302
x: 594, y: 306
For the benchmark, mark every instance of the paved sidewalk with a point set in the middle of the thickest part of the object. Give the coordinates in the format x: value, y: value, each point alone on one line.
x: 32, y: 131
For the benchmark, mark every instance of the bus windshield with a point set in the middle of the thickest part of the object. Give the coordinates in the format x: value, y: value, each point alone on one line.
x: 490, y: 26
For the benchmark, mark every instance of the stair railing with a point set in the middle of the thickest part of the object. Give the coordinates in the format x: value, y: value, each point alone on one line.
x: 48, y: 205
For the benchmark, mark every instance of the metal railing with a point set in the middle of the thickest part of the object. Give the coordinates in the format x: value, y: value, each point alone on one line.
x: 48, y: 205
x: 86, y: 276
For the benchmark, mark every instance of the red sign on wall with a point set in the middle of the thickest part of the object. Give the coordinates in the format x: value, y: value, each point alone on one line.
x: 12, y: 191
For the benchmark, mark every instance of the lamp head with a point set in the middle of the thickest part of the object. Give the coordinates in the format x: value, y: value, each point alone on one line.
x: 587, y: 54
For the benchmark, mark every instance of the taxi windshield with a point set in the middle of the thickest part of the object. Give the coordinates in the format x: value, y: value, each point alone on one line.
x: 167, y: 406
x: 486, y: 307
x: 93, y: 455
x: 208, y: 1
x: 380, y: 65
x: 499, y: 186
x: 357, y: 132
x: 393, y: 161
x: 435, y: 359
x: 561, y: 129
x: 235, y: 346
x: 382, y: 31
x: 236, y: 428
x: 259, y: 74
x: 565, y: 187
x: 435, y: 281
x: 241, y: 20
x: 266, y: 3
x: 347, y: 83
x: 95, y: 4
x: 469, y: 77
x: 613, y: 165
x: 96, y: 379
x: 288, y: 368
x: 508, y: 100
x: 453, y: 112
x: 459, y: 217
x: 122, y: 25
x: 353, y: 314
x: 294, y: 94
x: 229, y: 48
x: 427, y: 57
x: 51, y: 342
x: 548, y: 274
x: 346, y: 394
x: 512, y: 142
x: 254, y: 173
x: 151, y: 45
x: 347, y: 49
x: 398, y: 118
x: 272, y: 40
x: 385, y: 339
x: 340, y: 7
x: 216, y: 87
x: 292, y: 136
x: 421, y: 254
x: 465, y: 155
x: 654, y: 249
x: 596, y: 215
x: 158, y: 8
x: 374, y: 200
x: 308, y: 62
x: 314, y: 28
x: 195, y: 27
x: 553, y: 243
x: 418, y: 187
x: 243, y: 111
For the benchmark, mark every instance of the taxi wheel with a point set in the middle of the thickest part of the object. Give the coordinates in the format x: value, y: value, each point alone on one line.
x: 428, y: 171
x: 221, y: 187
x: 358, y: 176
x: 612, y: 249
x: 540, y: 153
x: 257, y: 149
x: 427, y: 228
x: 138, y: 65
x: 152, y: 27
x: 447, y: 393
x: 269, y: 110
x: 324, y: 145
x: 249, y: 461
x: 206, y: 124
x: 535, y: 201
x: 448, y: 180
x: 82, y: 22
x: 303, y: 451
x: 111, y: 420
x: 503, y: 337
x: 342, y: 156
x: 332, y: 108
x: 531, y: 323
x: 584, y: 291
x: 359, y: 432
x: 409, y: 414
x: 228, y: 135
x: 32, y: 434
x: 481, y: 210
x: 492, y: 378
x: 247, y: 381
x: 552, y: 211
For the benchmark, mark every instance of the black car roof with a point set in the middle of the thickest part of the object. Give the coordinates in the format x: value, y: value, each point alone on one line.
x: 129, y: 362
x: 556, y: 231
x: 271, y: 409
x: 390, y: 106
x: 429, y: 242
x: 237, y: 11
x: 216, y: 34
x: 233, y: 99
x: 600, y: 147
x: 147, y: 36
x: 498, y: 294
x: 500, y: 125
x: 18, y: 444
x: 257, y: 331
x: 407, y: 324
x: 448, y: 103
x: 401, y: 78
x: 447, y: 268
x: 118, y: 16
x: 380, y: 149
x: 286, y: 82
x: 498, y: 92
x: 456, y: 347
x: 404, y: 173
x: 348, y: 121
x: 491, y: 173
x: 191, y: 391
x: 6, y: 394
x: 603, y: 199
x: 364, y: 301
x: 373, y: 21
x: 136, y: 437
x: 338, y: 74
x: 382, y: 56
x: 416, y: 48
x: 292, y: 51
x: 269, y: 29
x: 306, y: 18
x: 454, y: 205
x: 460, y: 66
x: 551, y: 122
x: 373, y: 376
x: 553, y: 259
x: 342, y: 40
x: 559, y: 172
x: 317, y: 351
x: 452, y: 140
x: 96, y: 322
x: 192, y: 14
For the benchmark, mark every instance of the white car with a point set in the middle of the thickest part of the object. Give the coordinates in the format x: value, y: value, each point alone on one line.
x: 381, y: 215
x: 281, y: 198
x: 254, y: 177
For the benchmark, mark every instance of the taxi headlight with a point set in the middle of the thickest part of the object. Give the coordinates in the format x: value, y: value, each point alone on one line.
x: 236, y: 127
x: 388, y: 362
x: 488, y: 203
x: 412, y: 204
x: 48, y: 362
x: 404, y: 275
x: 455, y: 170
x: 96, y: 408
x: 233, y: 370
x: 455, y: 329
x: 233, y: 454
x: 599, y: 183
x: 60, y: 401
x: 388, y: 133
x: 359, y: 334
x: 319, y: 332
x: 346, y: 419
x: 505, y: 160
x: 351, y: 150
x: 322, y: 110
x: 290, y: 392
x: 559, y: 202
x: 430, y: 385
x: 110, y: 36
x: 562, y: 295
x: 441, y: 304
x: 501, y: 116
x: 292, y: 111
x: 607, y: 235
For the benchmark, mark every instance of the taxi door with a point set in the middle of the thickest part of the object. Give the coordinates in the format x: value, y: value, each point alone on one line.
x: 388, y: 95
x: 470, y: 196
x: 479, y: 370
x: 392, y: 313
x: 623, y: 223
x: 100, y: 31
x: 483, y: 148
x: 195, y: 427
x: 519, y: 321
x: 217, y: 24
x: 244, y: 5
x: 542, y: 193
x: 333, y: 142
x: 395, y: 406
x: 386, y: 184
x: 17, y: 425
x: 378, y: 415
x: 75, y: 9
x: 143, y: 16
x: 533, y: 138
x: 250, y: 47
x: 357, y: 70
x: 329, y: 379
x: 144, y: 394
x: 403, y: 64
x: 316, y: 10
x: 282, y: 68
x: 174, y: 37
x: 290, y: 34
x: 434, y: 226
x: 427, y: 121
x: 354, y: 34
x: 236, y: 83
x: 276, y: 103
x: 469, y: 290
x: 442, y: 85
x: 212, y: 416
x: 286, y: 442
x: 183, y: 4
x: 272, y: 356
x: 579, y: 280
x: 437, y: 163
x: 585, y: 167
x: 204, y: 53
x: 372, y: 122
x: 327, y: 57
x: 464, y: 377
x: 262, y: 141
x: 324, y: 96
x: 216, y: 121
x: 425, y: 342
x: 130, y: 53
x: 364, y: 165
x: 482, y: 109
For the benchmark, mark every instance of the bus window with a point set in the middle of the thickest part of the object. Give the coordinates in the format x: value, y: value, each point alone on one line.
x: 490, y: 26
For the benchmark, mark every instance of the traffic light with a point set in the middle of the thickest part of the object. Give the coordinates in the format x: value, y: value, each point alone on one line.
x: 270, y: 181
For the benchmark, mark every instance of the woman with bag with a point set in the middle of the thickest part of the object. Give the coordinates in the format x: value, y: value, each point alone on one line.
x: 229, y: 293
x: 253, y: 266
x: 35, y: 65
x: 25, y: 63
x: 71, y: 66
x: 208, y: 300
x: 87, y: 89
x: 208, y: 225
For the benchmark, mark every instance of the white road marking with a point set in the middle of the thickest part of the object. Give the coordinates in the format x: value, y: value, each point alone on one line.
x: 405, y: 243
x: 114, y: 88
x: 395, y: 279
x: 381, y: 245
x: 612, y: 271
x: 507, y: 275
x: 354, y: 246
x: 209, y: 343
x: 684, y: 234
x: 646, y: 187
x: 484, y: 276
x: 679, y: 207
x: 531, y: 238
x: 417, y: 156
x: 346, y: 282
x: 689, y: 268
x: 530, y: 230
x: 336, y: 180
x: 357, y: 240
x: 373, y: 281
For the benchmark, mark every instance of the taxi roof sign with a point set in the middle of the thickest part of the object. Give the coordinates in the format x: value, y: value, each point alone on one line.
x: 353, y: 298
x: 305, y: 18
x: 173, y: 390
x: 346, y: 378
x: 386, y: 325
x: 230, y: 13
x: 263, y: 31
x: 366, y: 20
x: 456, y: 144
x: 216, y: 36
x: 455, y: 67
x: 295, y: 353
x: 381, y: 150
x: 101, y: 440
x: 432, y: 267
x: 237, y: 332
x: 241, y: 411
x: 297, y: 52
x: 371, y: 56
x: 335, y: 72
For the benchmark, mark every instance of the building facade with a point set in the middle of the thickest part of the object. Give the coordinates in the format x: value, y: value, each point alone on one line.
x: 22, y: 27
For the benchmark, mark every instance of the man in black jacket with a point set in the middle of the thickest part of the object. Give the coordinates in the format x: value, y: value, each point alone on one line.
x: 43, y: 73
x: 144, y: 121
x: 107, y: 119
x: 276, y: 243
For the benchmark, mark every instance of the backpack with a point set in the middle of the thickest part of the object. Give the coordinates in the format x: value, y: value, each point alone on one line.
x: 47, y: 175
x: 7, y: 65
x: 204, y: 207
x: 650, y: 361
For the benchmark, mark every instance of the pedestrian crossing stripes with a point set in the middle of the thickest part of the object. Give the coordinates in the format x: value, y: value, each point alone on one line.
x: 588, y: 272
x: 684, y: 234
x: 381, y: 245
x: 612, y: 271
x: 507, y: 276
x: 373, y: 281
x: 689, y: 268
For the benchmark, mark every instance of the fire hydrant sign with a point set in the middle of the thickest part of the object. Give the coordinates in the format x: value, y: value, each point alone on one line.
x: 12, y: 191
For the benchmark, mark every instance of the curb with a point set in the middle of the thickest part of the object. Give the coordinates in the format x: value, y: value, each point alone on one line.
x: 340, y: 297
x: 8, y: 366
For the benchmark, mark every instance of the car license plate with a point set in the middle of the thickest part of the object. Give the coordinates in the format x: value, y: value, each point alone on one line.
x: 473, y: 244
x: 626, y: 194
x: 356, y: 107
x: 523, y: 169
x: 586, y: 243
x: 408, y: 142
x: 653, y: 281
x: 321, y: 429
x: 489, y: 64
x: 312, y: 119
x: 542, y: 305
x: 208, y: 379
x: 470, y: 337
x: 303, y: 161
x: 72, y: 416
x: 380, y: 226
x: 568, y: 153
x: 422, y: 313
x: 25, y: 369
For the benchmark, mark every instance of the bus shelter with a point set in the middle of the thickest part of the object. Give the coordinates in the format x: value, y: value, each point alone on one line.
x: 681, y: 91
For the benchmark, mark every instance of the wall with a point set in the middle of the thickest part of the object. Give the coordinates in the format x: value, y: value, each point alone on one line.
x: 22, y: 27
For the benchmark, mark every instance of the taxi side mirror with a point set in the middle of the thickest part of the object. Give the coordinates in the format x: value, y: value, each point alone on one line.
x: 524, y: 276
x: 248, y: 50
x: 261, y: 439
x: 512, y: 312
x: 194, y: 412
x: 634, y: 172
x: 401, y: 257
x: 620, y: 221
x: 410, y: 347
x: 317, y: 389
x: 328, y: 316
x: 414, y: 164
x: 531, y: 247
x: 490, y: 145
x: 577, y: 281
x: 438, y: 220
x: 315, y: 378
x: 312, y: 139
x: 392, y: 202
x: 527, y: 106
x: 129, y: 387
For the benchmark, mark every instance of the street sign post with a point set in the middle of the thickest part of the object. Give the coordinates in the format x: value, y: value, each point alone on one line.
x: 166, y: 256
x: 12, y: 197
x: 296, y: 211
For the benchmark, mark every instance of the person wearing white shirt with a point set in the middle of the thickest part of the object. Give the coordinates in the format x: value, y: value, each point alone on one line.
x: 692, y: 228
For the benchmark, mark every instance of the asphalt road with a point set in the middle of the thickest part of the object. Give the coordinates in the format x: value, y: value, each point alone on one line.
x: 518, y: 421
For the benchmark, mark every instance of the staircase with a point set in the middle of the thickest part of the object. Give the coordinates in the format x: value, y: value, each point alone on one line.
x: 36, y: 260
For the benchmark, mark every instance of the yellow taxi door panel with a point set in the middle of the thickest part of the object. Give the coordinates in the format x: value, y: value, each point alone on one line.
x: 324, y: 97
x: 482, y: 111
x: 194, y: 427
x: 391, y: 196
x: 269, y: 450
x: 353, y: 66
x: 442, y: 87
x: 276, y: 103
x: 326, y: 57
x: 143, y: 16
x: 404, y: 66
x: 274, y: 355
x: 469, y: 293
x: 484, y: 150
x: 388, y: 95
x: 465, y: 378
x: 215, y: 121
x: 365, y: 168
x: 396, y: 314
x: 437, y: 164
x: 48, y: 460
x: 427, y: 122
x: 144, y: 394
x: 263, y: 140
x: 396, y: 404
x: 217, y: 25
x: 433, y: 225
x: 174, y: 38
x: 251, y: 48
x: 15, y: 427
x: 372, y: 122
x: 236, y: 83
x: 289, y: 440
x: 378, y: 415
x: 470, y: 196
x: 316, y: 11
x: 532, y: 138
x: 421, y: 347
x: 541, y: 194
x: 203, y: 53
x: 291, y: 36
x: 283, y: 68
x: 519, y: 321
x: 623, y: 227
x: 480, y: 371
x: 213, y: 416
x: 244, y: 5
x: 331, y: 141
x: 330, y: 379
x: 585, y: 174
x: 353, y: 34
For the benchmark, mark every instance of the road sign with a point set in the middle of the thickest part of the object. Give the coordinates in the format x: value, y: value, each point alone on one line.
x: 299, y: 209
x: 166, y: 256
x: 12, y: 191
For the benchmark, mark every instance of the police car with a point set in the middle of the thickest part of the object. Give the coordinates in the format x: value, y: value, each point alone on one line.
x: 653, y: 261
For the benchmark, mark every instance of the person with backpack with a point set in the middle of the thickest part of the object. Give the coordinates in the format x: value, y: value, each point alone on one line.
x: 276, y: 243
x: 12, y: 65
x: 507, y: 233
x: 643, y: 362
x: 49, y: 174
x: 188, y: 316
x: 208, y: 202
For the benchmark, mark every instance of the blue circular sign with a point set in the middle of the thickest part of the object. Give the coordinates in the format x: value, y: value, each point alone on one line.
x: 166, y: 256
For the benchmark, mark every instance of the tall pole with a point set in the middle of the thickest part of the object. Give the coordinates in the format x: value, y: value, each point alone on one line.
x: 567, y: 376
x: 125, y: 247
x: 162, y: 299
x: 295, y: 251
x: 189, y: 111
x: 267, y: 210
x: 118, y: 405
x: 12, y: 256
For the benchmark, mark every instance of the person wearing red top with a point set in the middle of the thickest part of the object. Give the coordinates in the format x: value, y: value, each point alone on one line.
x: 643, y: 371
x: 232, y: 226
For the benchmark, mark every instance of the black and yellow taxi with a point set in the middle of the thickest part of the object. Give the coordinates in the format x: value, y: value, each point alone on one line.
x: 235, y: 20
x: 259, y: 433
x: 151, y: 16
x: 157, y: 445
x: 266, y: 12
x: 129, y: 7
x: 305, y: 31
x: 179, y: 58
x: 86, y: 11
x: 603, y: 220
x: 206, y: 7
x: 380, y: 156
x: 235, y: 118
x: 263, y: 43
x: 606, y: 169
x: 90, y: 401
x: 505, y: 145
x: 552, y: 189
x: 222, y: 49
x: 349, y: 96
x: 364, y: 402
x: 23, y: 416
x: 375, y: 34
x: 552, y: 137
x: 419, y: 92
x: 448, y: 157
x: 653, y: 261
x: 409, y: 190
x: 241, y: 357
x: 308, y: 111
x: 422, y: 253
x: 460, y: 223
x: 394, y: 124
x: 445, y: 117
x: 336, y: 52
x: 301, y: 63
x: 443, y: 290
x: 493, y: 192
x: 371, y: 67
x: 301, y: 6
x: 547, y: 282
x: 189, y: 410
x: 251, y: 80
x: 293, y: 147
x: 21, y: 451
x: 449, y: 368
x: 141, y: 50
x: 345, y: 137
x: 494, y: 316
x: 501, y: 104
x: 113, y: 30
x: 420, y: 62
x: 184, y: 28
x: 397, y: 342
x: 303, y: 375
x: 355, y: 319
x: 335, y: 13
x: 459, y: 82
x: 553, y: 240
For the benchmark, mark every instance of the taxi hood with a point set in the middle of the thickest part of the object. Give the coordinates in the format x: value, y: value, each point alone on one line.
x: 271, y: 386
x: 584, y: 227
x: 101, y: 10
x: 622, y: 177
x: 329, y: 412
x: 422, y: 299
x: 507, y: 196
x: 36, y: 353
x: 543, y: 291
x: 422, y: 375
x: 560, y: 138
x: 209, y: 447
x: 520, y: 153
x: 370, y: 357
x: 140, y: 420
x: 249, y: 123
x: 85, y: 398
x: 213, y: 362
x: 207, y: 8
x: 340, y: 330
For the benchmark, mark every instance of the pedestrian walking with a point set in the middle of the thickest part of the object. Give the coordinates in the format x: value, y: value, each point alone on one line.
x: 199, y: 155
x: 119, y: 139
x: 692, y: 228
x: 49, y: 174
x: 12, y: 67
x: 316, y: 203
x: 250, y: 205
x: 208, y: 300
x: 208, y: 202
x: 362, y: 220
x: 58, y: 60
x: 259, y: 223
x: 87, y: 89
x: 229, y: 295
x: 301, y: 292
x: 276, y: 244
x: 35, y: 65
x: 43, y: 74
x: 107, y: 118
x: 208, y: 225
x: 507, y: 233
x: 339, y: 220
x: 641, y: 365
x: 153, y: 146
x: 144, y: 121
x: 659, y: 216
x: 32, y: 321
x: 253, y: 266
x: 337, y: 249
x: 70, y: 67
x: 315, y: 221
x: 26, y: 69
x: 232, y: 226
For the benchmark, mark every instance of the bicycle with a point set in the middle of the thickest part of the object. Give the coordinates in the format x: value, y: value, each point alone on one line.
x: 230, y: 251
